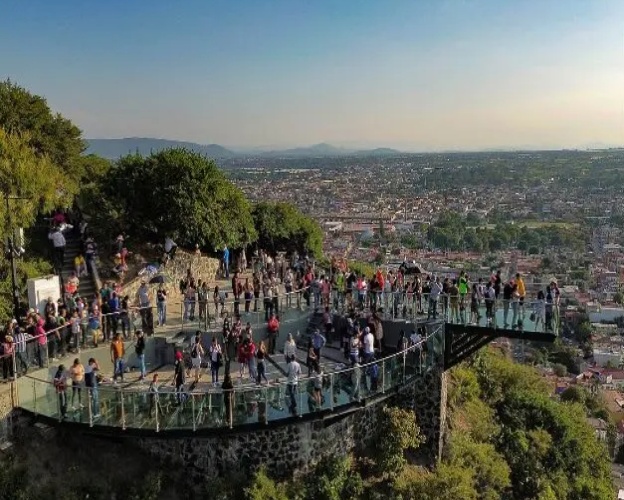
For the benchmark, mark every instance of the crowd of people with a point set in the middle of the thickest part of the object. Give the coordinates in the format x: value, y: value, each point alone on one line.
x: 73, y: 322
x: 457, y: 300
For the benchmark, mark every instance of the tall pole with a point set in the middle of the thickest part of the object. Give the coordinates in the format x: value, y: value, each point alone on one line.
x: 11, y: 250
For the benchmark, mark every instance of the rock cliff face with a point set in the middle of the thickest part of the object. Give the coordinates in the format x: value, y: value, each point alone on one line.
x: 203, y: 268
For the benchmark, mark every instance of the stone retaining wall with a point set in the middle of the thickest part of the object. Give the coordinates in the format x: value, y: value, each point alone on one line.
x: 283, y: 451
x: 294, y: 449
x: 204, y: 268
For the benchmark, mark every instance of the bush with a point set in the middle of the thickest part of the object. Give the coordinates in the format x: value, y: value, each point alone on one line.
x: 398, y: 432
x: 262, y: 487
x: 333, y: 479
x: 560, y: 370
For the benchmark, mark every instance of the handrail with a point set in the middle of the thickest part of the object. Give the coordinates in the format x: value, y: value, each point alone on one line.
x: 403, y: 298
x: 246, y: 389
x: 131, y: 309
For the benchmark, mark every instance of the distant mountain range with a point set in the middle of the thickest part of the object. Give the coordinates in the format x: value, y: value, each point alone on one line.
x: 114, y: 148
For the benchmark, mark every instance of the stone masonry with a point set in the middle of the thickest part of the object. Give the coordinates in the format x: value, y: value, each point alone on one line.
x: 283, y: 451
x: 204, y: 268
x: 294, y: 449
x: 428, y: 396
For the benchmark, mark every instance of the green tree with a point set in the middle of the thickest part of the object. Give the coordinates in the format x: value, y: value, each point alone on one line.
x: 548, y: 445
x: 560, y: 370
x: 262, y: 487
x: 49, y: 134
x: 447, y: 482
x: 464, y: 386
x: 398, y: 432
x: 179, y: 193
x: 584, y: 331
x: 575, y: 394
x: 491, y: 474
x: 333, y: 478
x: 283, y: 227
x: 34, y: 179
x: 618, y: 298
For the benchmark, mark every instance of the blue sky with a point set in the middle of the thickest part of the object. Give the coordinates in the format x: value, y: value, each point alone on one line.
x: 414, y: 74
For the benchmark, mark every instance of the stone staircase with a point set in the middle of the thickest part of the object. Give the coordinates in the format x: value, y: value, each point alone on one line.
x: 73, y: 246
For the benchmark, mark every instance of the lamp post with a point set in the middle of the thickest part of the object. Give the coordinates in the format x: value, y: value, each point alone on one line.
x: 12, y: 251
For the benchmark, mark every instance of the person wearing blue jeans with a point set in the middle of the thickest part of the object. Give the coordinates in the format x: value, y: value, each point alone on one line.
x: 91, y: 383
x: 139, y: 349
x: 161, y: 303
x: 293, y: 372
x: 117, y: 357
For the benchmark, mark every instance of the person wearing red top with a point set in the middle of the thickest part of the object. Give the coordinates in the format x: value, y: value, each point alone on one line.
x: 250, y: 351
x: 380, y: 279
x: 242, y: 359
x: 42, y: 341
x: 273, y: 328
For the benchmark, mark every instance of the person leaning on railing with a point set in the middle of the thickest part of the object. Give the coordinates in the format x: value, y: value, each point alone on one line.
x: 8, y: 349
x: 21, y: 354
x: 39, y: 333
x: 60, y: 384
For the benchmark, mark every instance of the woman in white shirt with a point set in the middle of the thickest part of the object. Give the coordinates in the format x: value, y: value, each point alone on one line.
x: 290, y: 348
x: 197, y: 352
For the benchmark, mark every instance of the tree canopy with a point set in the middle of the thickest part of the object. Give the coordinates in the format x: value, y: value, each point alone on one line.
x: 454, y: 231
x: 34, y: 179
x: 49, y: 134
x: 41, y: 163
x: 282, y: 227
x: 181, y: 194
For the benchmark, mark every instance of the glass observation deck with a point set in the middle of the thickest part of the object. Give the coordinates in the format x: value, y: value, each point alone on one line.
x: 231, y: 406
x: 528, y: 316
x: 458, y: 330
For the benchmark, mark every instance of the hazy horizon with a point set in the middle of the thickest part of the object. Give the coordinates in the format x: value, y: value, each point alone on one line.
x: 416, y: 76
x: 354, y: 145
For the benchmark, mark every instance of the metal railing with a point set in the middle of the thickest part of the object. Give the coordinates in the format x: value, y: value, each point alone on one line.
x: 169, y: 407
x: 60, y: 340
x: 528, y: 314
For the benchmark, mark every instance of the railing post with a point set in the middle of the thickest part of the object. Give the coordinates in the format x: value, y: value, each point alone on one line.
x: 230, y: 408
x: 404, y: 362
x: 90, y: 405
x: 34, y: 396
x: 383, y: 376
x: 14, y: 384
x: 193, y: 409
x: 157, y: 411
x: 58, y: 405
x: 123, y: 411
x: 266, y: 402
x: 331, y: 391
